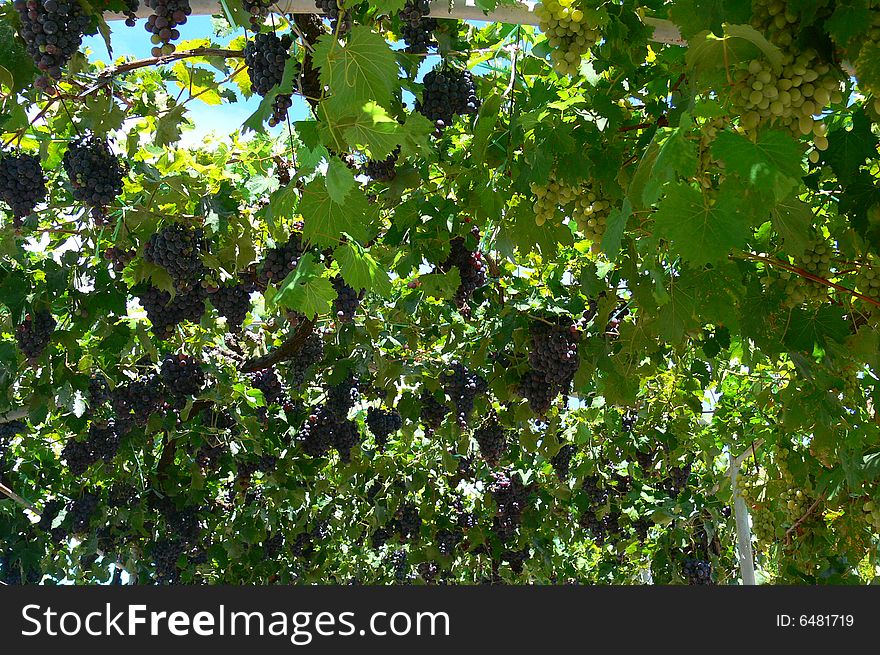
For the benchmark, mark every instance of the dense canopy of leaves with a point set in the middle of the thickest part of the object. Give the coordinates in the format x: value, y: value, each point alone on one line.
x: 520, y: 345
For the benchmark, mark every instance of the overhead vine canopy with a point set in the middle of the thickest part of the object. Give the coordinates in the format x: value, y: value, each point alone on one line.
x: 459, y: 303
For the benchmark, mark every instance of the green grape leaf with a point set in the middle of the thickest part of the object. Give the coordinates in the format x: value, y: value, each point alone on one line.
x: 340, y: 180
x: 701, y: 229
x: 304, y: 290
x: 868, y: 67
x: 695, y: 16
x: 15, y: 58
x: 615, y: 227
x: 849, y: 148
x: 362, y: 70
x: 360, y: 270
x: 772, y: 163
x: 792, y: 219
x: 326, y: 221
x: 388, y: 7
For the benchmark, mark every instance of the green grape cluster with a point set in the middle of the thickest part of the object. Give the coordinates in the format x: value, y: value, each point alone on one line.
x: 872, y: 514
x: 790, y: 97
x: 591, y: 214
x: 707, y: 165
x: 816, y: 260
x: 571, y: 32
x: 868, y: 279
x: 550, y: 196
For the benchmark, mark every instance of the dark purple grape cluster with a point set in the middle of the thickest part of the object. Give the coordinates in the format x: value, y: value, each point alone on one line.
x: 82, y: 510
x: 594, y: 491
x: 471, y: 270
x: 209, y: 455
x: 383, y: 170
x: 534, y: 388
x: 138, y: 399
x: 561, y: 461
x: 432, y: 412
x: 52, y: 31
x: 8, y: 430
x: 34, y: 333
x: 429, y: 571
x: 316, y: 435
x: 119, y: 257
x: 166, y: 552
x: 492, y: 439
x: 600, y: 528
x: 407, y: 522
x: 265, y: 56
x: 130, y: 12
x: 346, y: 302
x: 463, y: 386
x: 516, y: 559
x: 182, y: 374
x: 95, y: 173
x: 345, y: 437
x: 645, y: 460
x: 22, y: 183
x: 383, y: 423
x: 448, y: 540
x: 269, y: 383
x: 416, y: 27
x: 342, y: 397
x: 449, y: 92
x: 628, y: 421
x: 278, y: 262
x: 178, y: 248
x: 697, y: 571
x: 258, y: 10
x: 511, y: 497
x: 677, y: 480
x: 280, y: 106
x: 554, y: 361
x: 272, y: 545
x: 234, y: 302
x: 311, y: 352
x: 166, y: 312
x: 399, y: 565
x: 555, y: 351
x: 340, y: 20
x: 379, y: 538
x: 162, y: 24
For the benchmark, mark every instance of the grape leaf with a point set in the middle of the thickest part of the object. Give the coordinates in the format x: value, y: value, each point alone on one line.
x: 304, y: 290
x: 362, y: 70
x: 360, y: 270
x: 340, y: 180
x: 792, y: 219
x: 614, y: 228
x: 849, y: 148
x: 325, y: 221
x: 868, y: 67
x: 701, y: 229
x: 772, y: 163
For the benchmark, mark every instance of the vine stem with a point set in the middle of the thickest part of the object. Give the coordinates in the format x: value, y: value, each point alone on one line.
x: 6, y: 491
x: 806, y: 274
x: 803, y: 518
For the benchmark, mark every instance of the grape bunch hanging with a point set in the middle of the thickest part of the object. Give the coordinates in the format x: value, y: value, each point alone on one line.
x: 162, y: 24
x: 182, y: 374
x: 258, y: 10
x: 491, y: 437
x: 95, y: 173
x: 52, y: 31
x: 383, y: 423
x: 278, y: 262
x: 232, y: 301
x: 571, y: 31
x: 554, y: 361
x: 471, y: 269
x: 178, y: 249
x: 166, y: 312
x: 416, y: 27
x: 22, y: 183
x: 382, y: 170
x: 449, y: 92
x: 340, y: 20
x: 33, y: 334
x: 266, y: 56
x: 346, y: 302
x: 463, y: 387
